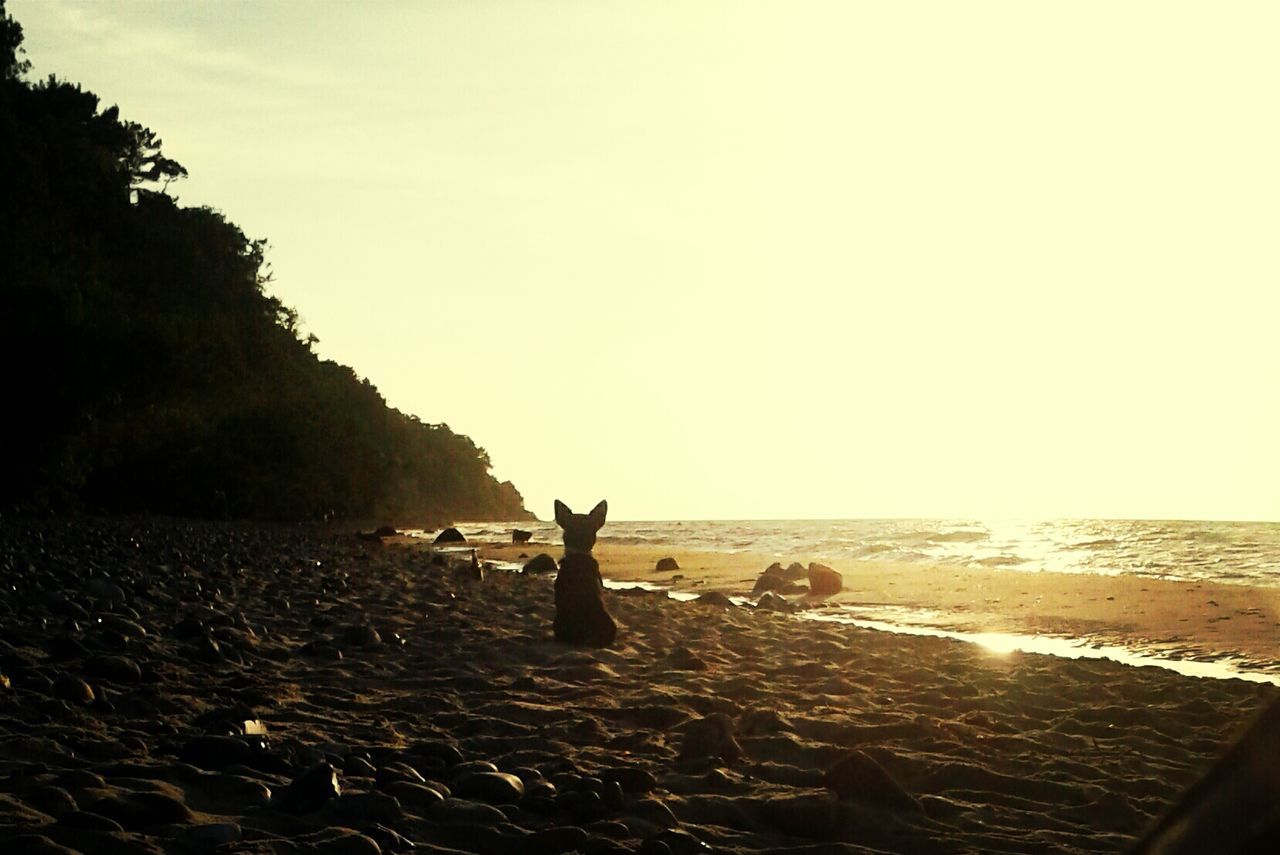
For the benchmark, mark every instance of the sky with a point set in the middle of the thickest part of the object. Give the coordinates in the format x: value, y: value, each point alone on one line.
x: 731, y: 260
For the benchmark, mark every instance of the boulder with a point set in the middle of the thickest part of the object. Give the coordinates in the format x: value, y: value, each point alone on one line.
x: 666, y: 565
x: 540, y: 563
x: 450, y: 535
x: 519, y: 535
x: 770, y: 580
x: 823, y: 581
x: 386, y: 531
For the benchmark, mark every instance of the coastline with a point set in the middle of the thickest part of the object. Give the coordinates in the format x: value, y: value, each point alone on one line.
x: 384, y: 681
x: 1183, y: 620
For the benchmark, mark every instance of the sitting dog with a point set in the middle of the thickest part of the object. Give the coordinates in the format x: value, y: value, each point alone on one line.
x: 581, y: 616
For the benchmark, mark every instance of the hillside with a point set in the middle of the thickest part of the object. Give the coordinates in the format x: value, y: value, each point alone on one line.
x: 150, y: 369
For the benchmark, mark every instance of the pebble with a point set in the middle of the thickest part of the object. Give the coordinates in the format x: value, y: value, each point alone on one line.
x: 467, y: 813
x: 493, y: 787
x: 72, y: 689
x: 311, y: 789
x: 361, y: 808
x: 415, y: 797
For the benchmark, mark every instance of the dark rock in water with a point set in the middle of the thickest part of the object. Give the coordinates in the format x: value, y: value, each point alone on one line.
x: 386, y: 531
x: 581, y: 616
x: 311, y: 789
x: 497, y: 788
x: 72, y: 689
x: 363, y: 808
x: 540, y: 563
x: 715, y: 598
x: 684, y: 659
x: 858, y: 777
x: 666, y: 565
x: 118, y: 669
x: 519, y: 535
x: 450, y: 535
x: 140, y: 810
x: 216, y: 752
x: 711, y: 736
x: 417, y: 798
x: 823, y: 581
x: 633, y: 779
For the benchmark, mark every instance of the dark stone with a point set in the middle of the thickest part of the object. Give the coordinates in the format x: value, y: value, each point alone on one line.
x: 715, y: 598
x: 141, y: 810
x: 684, y: 659
x: 434, y: 748
x: 386, y: 531
x: 770, y: 580
x: 823, y: 581
x: 858, y: 777
x: 72, y: 689
x: 205, y: 837
x: 397, y: 771
x: 519, y: 535
x: 679, y: 842
x: 363, y: 808
x: 581, y: 617
x: 666, y: 565
x: 497, y: 788
x: 417, y: 798
x: 388, y: 839
x: 464, y: 812
x: 311, y: 789
x: 88, y: 821
x: 540, y: 563
x: 52, y: 800
x: 711, y: 736
x: 362, y: 635
x: 771, y: 602
x: 216, y: 752
x: 450, y: 535
x: 632, y: 779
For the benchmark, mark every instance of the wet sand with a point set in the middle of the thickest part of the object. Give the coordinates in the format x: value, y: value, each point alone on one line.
x: 134, y: 654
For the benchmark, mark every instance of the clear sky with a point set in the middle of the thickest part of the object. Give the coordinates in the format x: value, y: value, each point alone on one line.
x: 759, y: 259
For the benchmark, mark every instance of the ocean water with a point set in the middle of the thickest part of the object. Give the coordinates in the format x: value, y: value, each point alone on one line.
x: 1233, y: 552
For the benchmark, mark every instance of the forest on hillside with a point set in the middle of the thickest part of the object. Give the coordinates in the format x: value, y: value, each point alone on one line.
x: 150, y: 371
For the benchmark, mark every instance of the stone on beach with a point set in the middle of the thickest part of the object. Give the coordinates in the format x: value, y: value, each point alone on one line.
x: 710, y: 737
x: 450, y: 535
x: 666, y: 565
x: 540, y: 563
x: 823, y: 581
x: 858, y: 777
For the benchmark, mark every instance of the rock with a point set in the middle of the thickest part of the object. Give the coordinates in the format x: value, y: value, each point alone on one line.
x: 684, y: 659
x: 386, y: 531
x: 632, y: 779
x: 104, y: 591
x: 388, y: 839
x: 680, y: 842
x: 666, y: 565
x: 450, y: 535
x: 711, y: 736
x: 762, y: 720
x: 417, y: 798
x: 795, y: 572
x: 496, y: 788
x: 216, y: 752
x: 771, y: 602
x: 519, y: 535
x: 397, y: 771
x: 339, y: 841
x: 858, y: 777
x: 118, y: 669
x: 72, y: 689
x: 141, y: 810
x: 770, y: 580
x: 540, y: 563
x: 436, y: 749
x: 362, y: 635
x: 581, y: 615
x: 653, y: 812
x: 88, y: 821
x: 823, y: 581
x: 311, y: 789
x: 715, y: 598
x: 464, y: 812
x: 204, y: 837
x: 123, y: 626
x: 363, y: 808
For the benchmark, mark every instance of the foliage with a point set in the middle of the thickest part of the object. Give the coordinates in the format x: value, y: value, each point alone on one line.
x: 151, y: 371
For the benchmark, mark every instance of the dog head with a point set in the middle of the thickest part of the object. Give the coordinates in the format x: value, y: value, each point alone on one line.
x: 580, y: 529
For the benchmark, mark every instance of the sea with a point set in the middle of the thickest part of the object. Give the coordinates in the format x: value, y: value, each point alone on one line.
x: 1241, y: 553
x: 1246, y: 553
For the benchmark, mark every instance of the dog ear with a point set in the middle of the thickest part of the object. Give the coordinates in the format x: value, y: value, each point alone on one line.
x: 598, y: 512
x: 563, y: 514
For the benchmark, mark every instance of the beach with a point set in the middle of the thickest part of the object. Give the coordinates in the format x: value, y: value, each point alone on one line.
x: 197, y: 687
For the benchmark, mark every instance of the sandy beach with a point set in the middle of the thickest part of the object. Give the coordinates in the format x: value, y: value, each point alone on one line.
x: 188, y: 687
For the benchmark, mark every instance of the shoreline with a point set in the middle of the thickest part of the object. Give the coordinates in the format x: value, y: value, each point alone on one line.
x: 1160, y: 619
